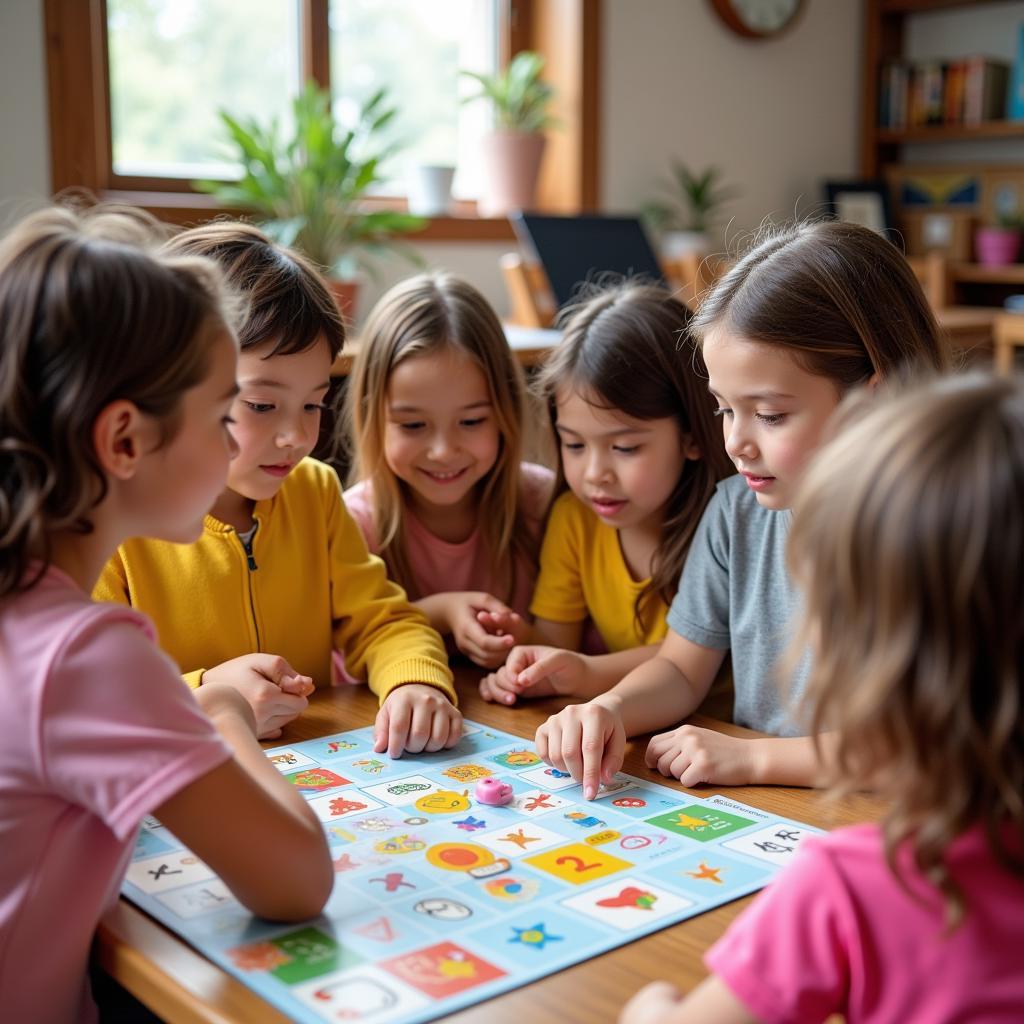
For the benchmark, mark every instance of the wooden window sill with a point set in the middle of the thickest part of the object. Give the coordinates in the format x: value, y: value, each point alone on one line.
x: 190, y: 208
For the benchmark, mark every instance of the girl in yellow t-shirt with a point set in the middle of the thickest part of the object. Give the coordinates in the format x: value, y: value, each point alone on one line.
x: 639, y: 457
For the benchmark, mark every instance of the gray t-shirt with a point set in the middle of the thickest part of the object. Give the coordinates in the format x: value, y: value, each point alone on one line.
x: 735, y: 593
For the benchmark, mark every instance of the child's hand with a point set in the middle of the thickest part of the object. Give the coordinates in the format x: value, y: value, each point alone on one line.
x: 416, y: 717
x: 504, y: 623
x: 651, y: 1004
x: 535, y: 671
x: 470, y: 622
x: 586, y: 740
x: 694, y: 755
x: 274, y: 690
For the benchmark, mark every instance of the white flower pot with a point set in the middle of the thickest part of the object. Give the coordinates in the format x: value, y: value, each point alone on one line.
x: 430, y: 189
x: 676, y: 244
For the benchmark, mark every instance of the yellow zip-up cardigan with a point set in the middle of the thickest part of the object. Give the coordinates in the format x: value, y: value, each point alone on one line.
x: 309, y: 586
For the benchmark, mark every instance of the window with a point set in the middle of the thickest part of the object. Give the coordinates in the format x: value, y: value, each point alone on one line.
x: 135, y: 87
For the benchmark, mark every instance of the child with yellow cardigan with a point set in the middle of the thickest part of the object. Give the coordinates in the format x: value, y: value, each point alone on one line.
x: 281, y: 576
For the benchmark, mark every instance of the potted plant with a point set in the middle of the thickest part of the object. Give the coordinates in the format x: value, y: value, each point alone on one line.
x: 688, y: 211
x: 512, y: 152
x: 999, y: 244
x: 309, y: 188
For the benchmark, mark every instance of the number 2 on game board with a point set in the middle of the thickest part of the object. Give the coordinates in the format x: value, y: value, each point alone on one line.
x: 577, y: 864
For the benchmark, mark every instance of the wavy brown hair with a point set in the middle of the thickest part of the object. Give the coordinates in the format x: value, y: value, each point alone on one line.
x: 89, y: 314
x: 287, y: 302
x: 908, y: 542
x: 840, y: 297
x: 424, y: 314
x: 626, y: 345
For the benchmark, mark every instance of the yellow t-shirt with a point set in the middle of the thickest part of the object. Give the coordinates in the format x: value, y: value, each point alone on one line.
x: 583, y: 573
x: 309, y: 587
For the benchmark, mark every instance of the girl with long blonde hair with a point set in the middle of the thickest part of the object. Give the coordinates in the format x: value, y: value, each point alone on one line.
x: 436, y: 409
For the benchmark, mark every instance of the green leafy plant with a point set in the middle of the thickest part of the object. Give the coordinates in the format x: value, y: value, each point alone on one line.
x: 1010, y: 220
x: 309, y: 188
x: 519, y: 96
x: 692, y: 200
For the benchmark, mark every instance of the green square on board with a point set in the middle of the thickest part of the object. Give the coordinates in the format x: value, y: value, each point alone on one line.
x: 699, y: 822
x: 312, y: 953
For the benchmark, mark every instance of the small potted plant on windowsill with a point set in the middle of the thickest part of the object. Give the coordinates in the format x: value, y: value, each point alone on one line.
x: 512, y: 153
x: 309, y: 190
x: 999, y: 245
x: 684, y: 218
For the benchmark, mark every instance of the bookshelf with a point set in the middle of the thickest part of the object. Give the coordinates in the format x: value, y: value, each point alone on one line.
x: 902, y: 32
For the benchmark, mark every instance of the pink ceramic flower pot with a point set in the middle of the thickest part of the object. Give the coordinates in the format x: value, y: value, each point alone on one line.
x: 996, y: 247
x: 511, y: 164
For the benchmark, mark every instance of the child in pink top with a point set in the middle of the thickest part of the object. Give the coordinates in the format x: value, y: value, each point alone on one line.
x: 117, y: 371
x: 907, y: 544
x: 436, y: 407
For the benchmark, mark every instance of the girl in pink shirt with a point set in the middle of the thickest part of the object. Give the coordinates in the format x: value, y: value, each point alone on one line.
x: 436, y: 406
x: 117, y: 371
x: 907, y: 543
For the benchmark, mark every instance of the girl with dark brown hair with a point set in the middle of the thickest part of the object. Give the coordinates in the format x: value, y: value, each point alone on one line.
x: 809, y: 314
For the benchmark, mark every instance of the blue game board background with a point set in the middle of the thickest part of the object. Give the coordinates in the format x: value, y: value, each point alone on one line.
x: 363, y: 951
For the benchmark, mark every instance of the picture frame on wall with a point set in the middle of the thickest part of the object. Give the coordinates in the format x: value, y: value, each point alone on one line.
x: 860, y: 202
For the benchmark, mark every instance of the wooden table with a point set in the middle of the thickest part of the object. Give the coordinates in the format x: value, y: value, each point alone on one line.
x: 181, y: 986
x: 530, y: 346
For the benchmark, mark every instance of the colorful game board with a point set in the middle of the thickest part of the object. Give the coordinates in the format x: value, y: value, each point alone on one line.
x: 440, y: 901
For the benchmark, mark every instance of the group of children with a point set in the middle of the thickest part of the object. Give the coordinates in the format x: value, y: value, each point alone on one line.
x: 159, y: 405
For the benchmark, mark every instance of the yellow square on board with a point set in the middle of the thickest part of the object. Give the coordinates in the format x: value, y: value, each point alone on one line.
x: 577, y: 864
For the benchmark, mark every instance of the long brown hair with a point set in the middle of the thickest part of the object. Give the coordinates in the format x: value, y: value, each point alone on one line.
x: 908, y: 542
x: 626, y: 346
x: 88, y: 315
x: 431, y: 313
x: 840, y: 297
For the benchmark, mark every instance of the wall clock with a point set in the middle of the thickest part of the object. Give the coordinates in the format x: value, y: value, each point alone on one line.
x: 758, y: 19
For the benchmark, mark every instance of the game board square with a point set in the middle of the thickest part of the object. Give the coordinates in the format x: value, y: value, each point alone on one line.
x: 294, y: 956
x: 578, y: 864
x: 360, y: 993
x: 343, y: 804
x: 549, y: 779
x: 710, y: 875
x: 518, y: 839
x: 403, y: 791
x: 168, y: 871
x: 287, y: 759
x: 701, y: 822
x: 627, y: 903
x: 443, y: 970
x: 518, y: 758
x: 776, y: 844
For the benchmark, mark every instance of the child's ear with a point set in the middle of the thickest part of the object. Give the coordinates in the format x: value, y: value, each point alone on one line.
x: 691, y: 450
x: 873, y: 381
x: 120, y: 436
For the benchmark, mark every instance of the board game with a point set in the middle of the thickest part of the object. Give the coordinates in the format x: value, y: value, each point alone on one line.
x: 441, y: 901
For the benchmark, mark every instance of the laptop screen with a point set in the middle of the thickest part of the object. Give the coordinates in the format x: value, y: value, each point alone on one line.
x: 576, y: 249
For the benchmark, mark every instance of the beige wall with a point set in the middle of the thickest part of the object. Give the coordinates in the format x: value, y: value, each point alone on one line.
x: 776, y: 116
x: 24, y: 146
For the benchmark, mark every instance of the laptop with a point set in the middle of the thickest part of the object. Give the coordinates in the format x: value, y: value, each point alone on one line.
x: 576, y: 249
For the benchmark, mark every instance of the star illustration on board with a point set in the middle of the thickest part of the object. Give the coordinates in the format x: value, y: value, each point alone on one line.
x: 520, y: 839
x: 706, y: 873
x: 533, y: 936
x: 470, y: 824
x: 687, y: 822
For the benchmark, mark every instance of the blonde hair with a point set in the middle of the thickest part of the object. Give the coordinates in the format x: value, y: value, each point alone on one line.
x: 626, y: 346
x: 908, y: 542
x: 839, y: 297
x: 426, y: 314
x: 89, y: 314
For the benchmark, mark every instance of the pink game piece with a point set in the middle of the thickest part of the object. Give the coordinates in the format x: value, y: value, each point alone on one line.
x: 493, y: 792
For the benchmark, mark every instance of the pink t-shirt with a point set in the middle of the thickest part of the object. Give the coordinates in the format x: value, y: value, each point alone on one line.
x: 835, y: 933
x: 439, y: 567
x: 98, y: 729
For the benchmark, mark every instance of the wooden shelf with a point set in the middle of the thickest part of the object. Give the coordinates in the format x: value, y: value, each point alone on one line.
x: 953, y: 132
x: 975, y: 273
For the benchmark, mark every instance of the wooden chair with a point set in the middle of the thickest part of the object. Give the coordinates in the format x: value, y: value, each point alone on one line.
x: 1009, y: 336
x: 532, y: 303
x: 969, y: 329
